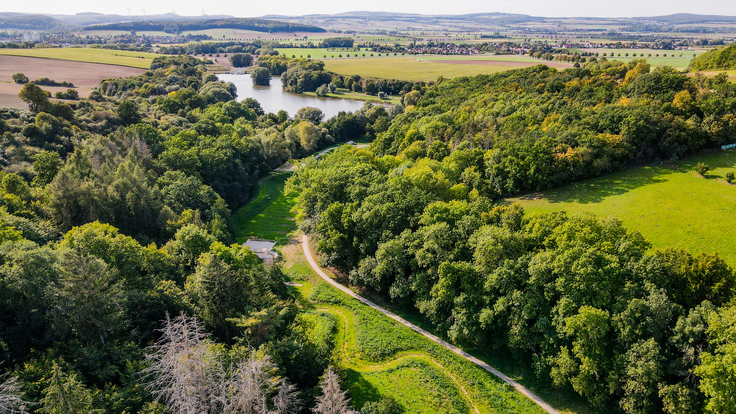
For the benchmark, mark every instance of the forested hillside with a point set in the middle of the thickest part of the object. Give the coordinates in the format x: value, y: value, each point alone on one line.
x: 581, y: 299
x: 115, y: 235
x: 258, y: 25
x: 723, y: 58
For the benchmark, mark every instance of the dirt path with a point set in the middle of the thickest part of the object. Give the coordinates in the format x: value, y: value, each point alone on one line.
x: 522, y: 389
x: 316, y: 157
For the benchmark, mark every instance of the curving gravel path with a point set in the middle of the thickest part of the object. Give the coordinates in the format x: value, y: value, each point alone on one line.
x: 522, y: 389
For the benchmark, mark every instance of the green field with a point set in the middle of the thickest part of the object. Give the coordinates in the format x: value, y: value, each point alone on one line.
x: 669, y: 205
x: 345, y: 94
x: 320, y: 53
x: 140, y: 60
x: 681, y: 59
x: 409, y: 69
x: 267, y: 215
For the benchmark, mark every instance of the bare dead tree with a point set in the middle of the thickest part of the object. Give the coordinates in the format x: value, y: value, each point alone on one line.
x: 333, y: 400
x: 251, y: 384
x: 184, y: 374
x: 286, y: 401
x: 10, y: 397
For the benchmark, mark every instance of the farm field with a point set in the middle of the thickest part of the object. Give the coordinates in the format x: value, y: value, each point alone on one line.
x: 345, y: 94
x: 84, y: 76
x: 410, y: 69
x: 679, y: 62
x: 711, y: 73
x: 141, y: 60
x: 669, y: 206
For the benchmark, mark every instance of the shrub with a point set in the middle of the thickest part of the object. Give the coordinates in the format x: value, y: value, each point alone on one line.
x: 730, y: 177
x: 702, y: 168
x: 20, y: 78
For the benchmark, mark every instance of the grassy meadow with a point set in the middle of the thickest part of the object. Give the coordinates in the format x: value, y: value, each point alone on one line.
x: 379, y: 357
x: 671, y: 206
x: 141, y: 60
x: 680, y: 60
x: 408, y: 68
x: 267, y: 215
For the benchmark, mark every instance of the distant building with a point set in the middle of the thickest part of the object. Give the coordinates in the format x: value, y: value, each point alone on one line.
x: 28, y: 37
x: 262, y: 249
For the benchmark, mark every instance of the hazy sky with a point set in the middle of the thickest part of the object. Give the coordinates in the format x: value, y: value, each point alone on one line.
x: 253, y: 8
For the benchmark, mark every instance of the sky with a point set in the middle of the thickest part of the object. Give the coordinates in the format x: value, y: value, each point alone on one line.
x: 545, y: 8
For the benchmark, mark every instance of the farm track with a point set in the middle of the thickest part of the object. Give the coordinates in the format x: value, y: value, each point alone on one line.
x: 365, y: 366
x: 520, y: 388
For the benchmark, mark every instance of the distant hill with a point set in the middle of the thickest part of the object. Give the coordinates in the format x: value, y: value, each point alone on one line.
x: 258, y: 25
x: 687, y: 18
x: 497, y: 18
x: 20, y: 21
x: 87, y: 19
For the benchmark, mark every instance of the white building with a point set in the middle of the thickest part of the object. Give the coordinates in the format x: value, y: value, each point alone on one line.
x: 262, y: 249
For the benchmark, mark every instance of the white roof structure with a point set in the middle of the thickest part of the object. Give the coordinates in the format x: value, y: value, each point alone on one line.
x: 262, y: 249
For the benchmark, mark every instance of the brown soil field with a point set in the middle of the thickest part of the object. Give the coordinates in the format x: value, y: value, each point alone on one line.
x: 84, y: 76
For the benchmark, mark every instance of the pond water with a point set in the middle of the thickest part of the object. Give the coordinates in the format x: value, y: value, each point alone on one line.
x: 273, y: 98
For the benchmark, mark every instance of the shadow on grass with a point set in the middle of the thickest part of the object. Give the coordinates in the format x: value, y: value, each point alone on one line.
x: 268, y: 215
x: 595, y: 190
x: 361, y: 390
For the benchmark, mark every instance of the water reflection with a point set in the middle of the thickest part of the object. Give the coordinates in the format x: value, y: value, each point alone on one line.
x: 273, y: 98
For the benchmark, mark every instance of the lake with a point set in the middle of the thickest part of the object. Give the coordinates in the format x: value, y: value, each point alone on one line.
x: 273, y: 98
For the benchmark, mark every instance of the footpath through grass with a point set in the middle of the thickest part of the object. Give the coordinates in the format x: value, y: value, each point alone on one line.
x: 268, y: 215
x: 377, y: 356
x: 141, y: 60
x: 670, y: 205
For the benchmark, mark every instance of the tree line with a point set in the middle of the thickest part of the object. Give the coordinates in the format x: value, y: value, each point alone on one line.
x: 582, y: 300
x: 258, y: 25
x: 115, y: 223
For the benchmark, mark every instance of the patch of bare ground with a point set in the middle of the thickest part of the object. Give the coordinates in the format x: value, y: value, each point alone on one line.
x: 84, y: 76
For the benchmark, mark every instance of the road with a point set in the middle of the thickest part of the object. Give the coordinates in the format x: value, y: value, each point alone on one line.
x: 334, y: 148
x: 522, y: 389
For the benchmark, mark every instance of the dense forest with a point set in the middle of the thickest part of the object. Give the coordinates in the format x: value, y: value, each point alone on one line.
x: 175, y: 26
x: 117, y: 272
x: 722, y: 58
x: 585, y: 302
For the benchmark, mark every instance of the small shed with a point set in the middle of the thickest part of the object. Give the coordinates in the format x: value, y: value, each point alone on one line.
x: 262, y: 249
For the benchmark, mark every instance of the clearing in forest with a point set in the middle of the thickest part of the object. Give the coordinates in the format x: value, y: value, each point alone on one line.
x: 670, y: 205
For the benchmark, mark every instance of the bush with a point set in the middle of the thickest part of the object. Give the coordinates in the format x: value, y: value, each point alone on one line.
x: 323, y: 90
x: 702, y: 168
x: 730, y: 177
x: 20, y: 78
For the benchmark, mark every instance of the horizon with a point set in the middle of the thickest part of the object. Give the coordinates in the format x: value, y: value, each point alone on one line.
x: 292, y: 8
